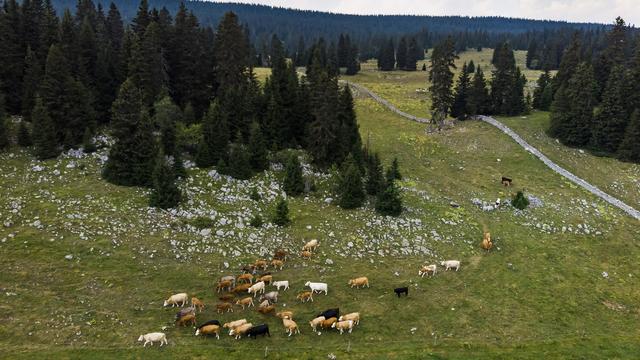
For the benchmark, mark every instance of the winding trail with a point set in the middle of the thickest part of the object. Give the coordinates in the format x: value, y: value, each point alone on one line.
x: 553, y: 166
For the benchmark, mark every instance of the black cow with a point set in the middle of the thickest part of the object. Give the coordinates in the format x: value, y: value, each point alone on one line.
x: 210, y: 322
x: 258, y: 330
x: 401, y: 290
x: 328, y: 314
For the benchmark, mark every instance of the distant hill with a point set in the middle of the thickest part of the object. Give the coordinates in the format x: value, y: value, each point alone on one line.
x: 290, y: 24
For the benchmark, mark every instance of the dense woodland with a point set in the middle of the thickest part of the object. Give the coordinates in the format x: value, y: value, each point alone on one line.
x: 595, y: 102
x: 166, y: 86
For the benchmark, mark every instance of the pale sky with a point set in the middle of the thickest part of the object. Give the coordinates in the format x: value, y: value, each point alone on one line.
x: 600, y: 11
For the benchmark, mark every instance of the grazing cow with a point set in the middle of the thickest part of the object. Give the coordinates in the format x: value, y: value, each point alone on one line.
x: 401, y: 290
x: 197, y: 303
x: 285, y: 315
x: 486, y: 242
x: 280, y: 255
x: 246, y: 278
x: 240, y: 330
x: 278, y: 284
x: 355, y: 317
x: 277, y: 264
x: 229, y: 278
x: 257, y: 287
x: 224, y: 285
x: 220, y: 308
x: 266, y: 278
x: 506, y: 181
x: 306, y: 255
x: 290, y: 326
x: 249, y: 269
x: 264, y: 303
x: 305, y: 296
x: 262, y: 329
x: 248, y: 302
x: 242, y: 288
x: 316, y: 322
x: 209, y: 330
x: 311, y: 245
x: 185, y: 311
x: 187, y: 319
x: 318, y: 287
x: 272, y: 296
x: 234, y: 324
x: 428, y: 270
x: 451, y: 264
x: 177, y: 300
x: 330, y: 313
x: 343, y: 325
x: 210, y: 322
x: 264, y: 310
x: 358, y: 282
x: 150, y: 338
x: 261, y: 263
x: 327, y: 324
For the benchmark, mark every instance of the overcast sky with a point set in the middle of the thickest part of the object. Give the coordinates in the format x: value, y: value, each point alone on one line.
x: 601, y: 11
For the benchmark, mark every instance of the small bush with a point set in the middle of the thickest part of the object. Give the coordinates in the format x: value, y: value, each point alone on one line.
x: 520, y: 201
x: 256, y: 221
x: 255, y: 195
x: 281, y: 214
x: 202, y: 222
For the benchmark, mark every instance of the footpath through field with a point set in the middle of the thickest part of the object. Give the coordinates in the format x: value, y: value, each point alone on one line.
x: 553, y: 166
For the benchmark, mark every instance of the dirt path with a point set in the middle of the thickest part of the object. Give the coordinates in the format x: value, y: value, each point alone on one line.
x: 553, y: 166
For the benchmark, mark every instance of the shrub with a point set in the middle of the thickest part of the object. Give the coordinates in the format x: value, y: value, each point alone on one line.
x: 281, y: 214
x: 202, y: 222
x: 255, y: 195
x: 256, y: 221
x: 520, y: 201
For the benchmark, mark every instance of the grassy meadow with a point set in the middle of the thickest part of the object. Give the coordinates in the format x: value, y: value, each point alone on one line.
x: 562, y: 281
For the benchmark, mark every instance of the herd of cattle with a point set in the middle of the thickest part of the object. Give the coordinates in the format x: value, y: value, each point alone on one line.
x: 244, y: 284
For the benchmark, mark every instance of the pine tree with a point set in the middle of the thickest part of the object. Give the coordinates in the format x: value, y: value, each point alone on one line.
x: 401, y: 55
x: 239, y: 165
x: 441, y: 77
x: 568, y: 64
x: 560, y: 114
x: 629, y: 149
x: 141, y: 21
x: 507, y: 84
x: 460, y: 107
x: 612, y: 56
x: 471, y: 67
x: 88, y: 145
x: 293, y: 183
x: 386, y: 57
x: 344, y: 47
x: 375, y: 179
x: 165, y: 193
x: 389, y: 200
x: 520, y: 201
x: 414, y: 53
x: 581, y: 91
x: 351, y: 192
x: 147, y: 64
x: 281, y: 214
x: 393, y: 173
x: 349, y: 135
x: 44, y: 133
x: 231, y: 53
x: 257, y: 149
x: 12, y: 55
x: 611, y: 123
x: 532, y: 54
x: 215, y: 137
x: 479, y: 102
x: 353, y: 60
x: 541, y: 98
x: 167, y: 115
x: 30, y: 82
x: 24, y: 137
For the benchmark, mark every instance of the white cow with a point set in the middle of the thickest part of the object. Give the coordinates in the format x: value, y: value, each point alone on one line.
x: 284, y: 284
x: 153, y: 337
x: 318, y: 287
x: 257, y: 287
x: 451, y: 264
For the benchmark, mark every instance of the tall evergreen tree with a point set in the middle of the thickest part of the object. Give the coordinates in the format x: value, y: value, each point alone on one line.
x: 613, y: 55
x: 351, y: 191
x: 581, y: 91
x: 532, y: 54
x: 231, y: 53
x: 507, y: 84
x: 353, y: 60
x: 479, y: 101
x: 386, y: 56
x: 31, y: 82
x: 393, y: 172
x: 460, y: 108
x: 401, y: 54
x: 414, y: 53
x: 349, y: 134
x: 257, y: 149
x: 166, y: 116
x: 389, y: 200
x: 560, y: 113
x: 441, y: 77
x: 165, y: 193
x: 143, y: 18
x: 629, y: 149
x: 147, y: 66
x: 24, y: 137
x: 375, y: 179
x: 611, y: 122
x: 281, y: 213
x: 568, y: 64
x: 44, y: 133
x: 542, y: 95
x: 293, y: 183
x: 215, y: 137
x: 239, y: 165
x: 12, y: 55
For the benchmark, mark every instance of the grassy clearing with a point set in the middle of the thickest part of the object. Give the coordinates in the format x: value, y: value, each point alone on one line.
x: 540, y: 293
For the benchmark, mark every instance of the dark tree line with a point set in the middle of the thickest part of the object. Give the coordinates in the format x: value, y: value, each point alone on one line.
x: 403, y: 57
x: 595, y: 101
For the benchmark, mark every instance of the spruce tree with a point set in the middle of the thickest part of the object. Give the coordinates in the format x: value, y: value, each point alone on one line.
x: 479, y: 102
x: 281, y: 213
x: 629, y: 149
x: 353, y: 60
x: 386, y: 57
x: 215, y: 137
x: 520, y: 201
x: 165, y: 193
x: 351, y: 192
x: 393, y: 173
x: 460, y: 107
x: 88, y: 145
x: 611, y: 122
x: 541, y: 95
x: 231, y: 53
x: 143, y: 18
x: 44, y: 133
x: 24, y: 137
x: 414, y: 53
x: 239, y: 165
x: 581, y: 91
x: 441, y: 77
x: 293, y: 183
x: 401, y: 54
x: 568, y: 64
x: 30, y: 82
x: 507, y: 84
x: 471, y: 67
x: 375, y: 178
x: 257, y: 149
x: 12, y: 55
x: 389, y: 200
x: 349, y: 141
x: 560, y: 114
x: 167, y: 115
